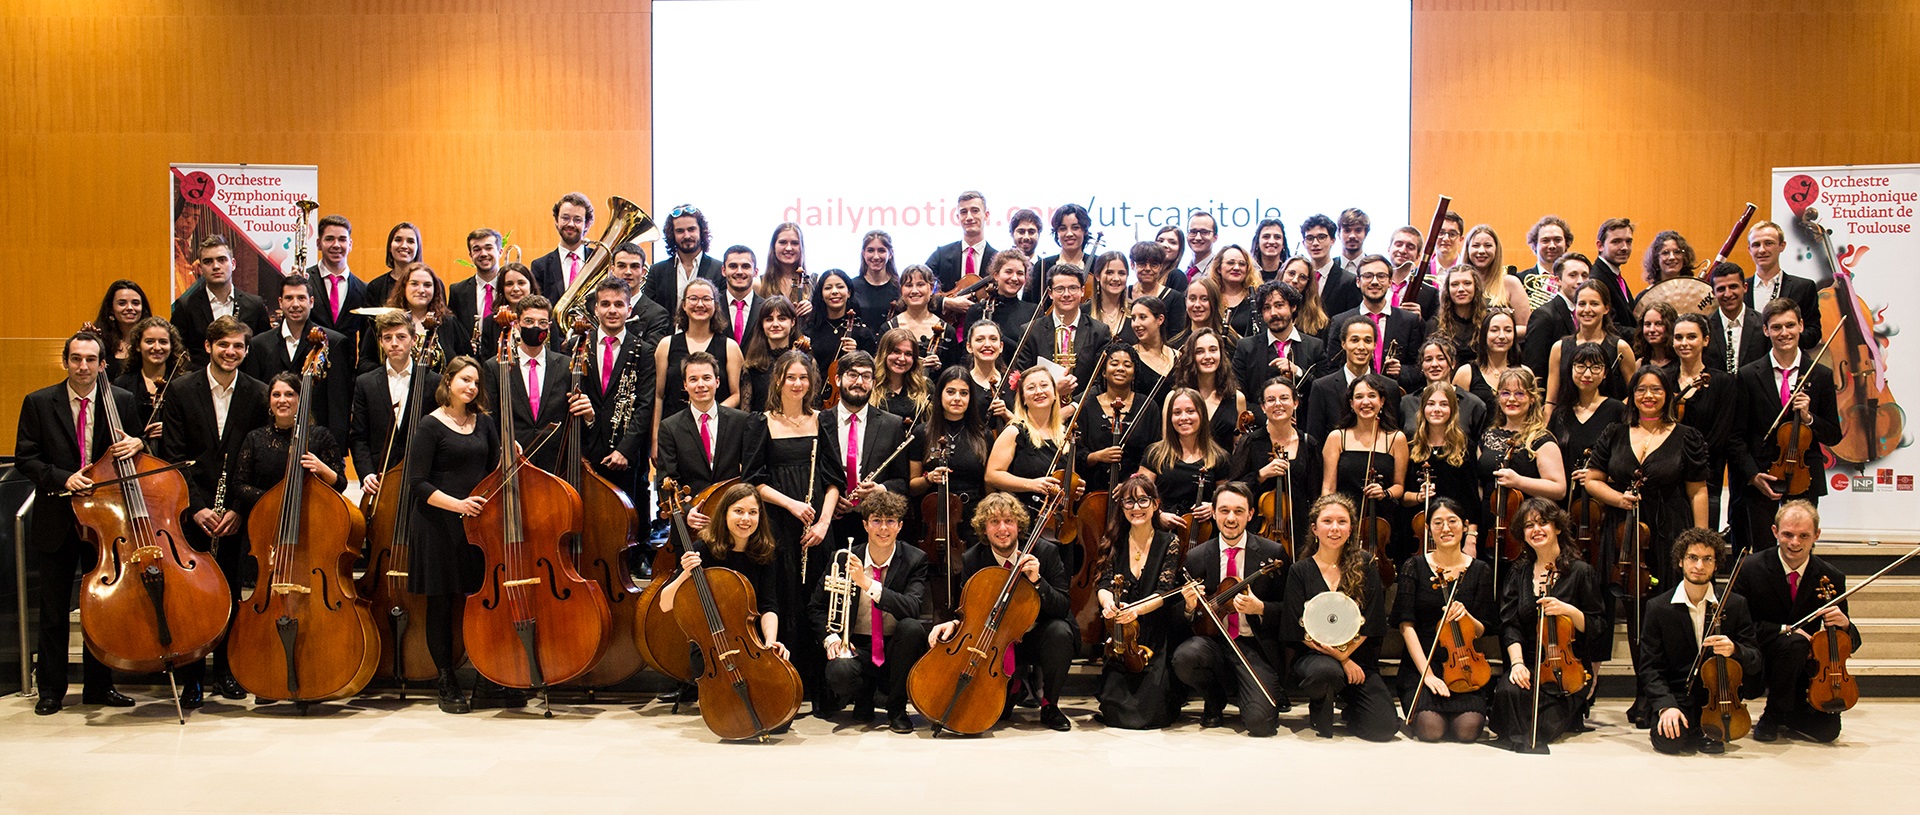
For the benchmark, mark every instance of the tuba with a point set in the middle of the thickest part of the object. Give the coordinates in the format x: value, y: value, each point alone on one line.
x: 629, y: 224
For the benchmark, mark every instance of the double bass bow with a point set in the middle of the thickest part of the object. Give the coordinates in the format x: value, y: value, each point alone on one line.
x: 609, y: 529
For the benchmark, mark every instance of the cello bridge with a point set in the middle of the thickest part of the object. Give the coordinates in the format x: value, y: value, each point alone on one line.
x: 148, y: 552
x: 977, y: 652
x: 291, y: 588
x: 525, y: 581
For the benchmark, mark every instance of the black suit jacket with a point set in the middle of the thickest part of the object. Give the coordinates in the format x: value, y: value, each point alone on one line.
x: 650, y: 321
x: 1203, y: 563
x: 464, y: 299
x: 1253, y: 362
x: 949, y: 262
x: 371, y: 420
x: 632, y: 364
x: 1763, y: 582
x: 1401, y: 327
x: 1753, y: 341
x: 1327, y: 398
x: 1619, y: 305
x: 190, y: 431
x: 1053, y: 575
x: 1757, y: 403
x: 555, y: 385
x: 193, y: 312
x: 1548, y: 325
x: 1341, y: 291
x: 737, y: 450
x: 267, y: 358
x: 354, y: 295
x: 49, y: 454
x: 883, y: 433
x: 1799, y: 290
x: 550, y: 276
x: 903, y: 590
x: 1089, y: 337
x: 1010, y: 313
x: 1668, y: 650
x: 662, y: 287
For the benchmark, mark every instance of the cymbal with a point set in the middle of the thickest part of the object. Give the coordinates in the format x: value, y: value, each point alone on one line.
x: 375, y: 311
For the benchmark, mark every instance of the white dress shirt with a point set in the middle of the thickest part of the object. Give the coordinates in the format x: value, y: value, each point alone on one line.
x: 222, y: 398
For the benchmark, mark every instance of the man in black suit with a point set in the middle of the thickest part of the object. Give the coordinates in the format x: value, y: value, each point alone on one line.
x: 213, y: 295
x: 207, y: 416
x: 884, y: 636
x: 1613, y: 250
x: 1733, y: 325
x: 1784, y: 584
x: 554, y: 271
x: 1407, y: 291
x: 381, y: 395
x: 1549, y: 238
x: 336, y: 292
x: 541, y: 377
x: 53, y: 420
x: 1209, y: 663
x: 1673, y: 635
x: 1401, y: 331
x: 1001, y: 302
x: 1338, y: 290
x: 708, y: 442
x: 1765, y: 241
x: 1000, y: 524
x: 1328, y: 395
x: 619, y: 383
x: 855, y: 433
x: 645, y: 318
x: 971, y: 254
x: 474, y: 300
x: 1084, y: 336
x: 1761, y: 392
x: 738, y: 300
x: 1278, y: 348
x: 1554, y: 321
x: 285, y: 350
x: 689, y: 239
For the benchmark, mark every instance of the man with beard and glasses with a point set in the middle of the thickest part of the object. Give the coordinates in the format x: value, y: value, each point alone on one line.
x: 854, y: 440
x: 554, y: 271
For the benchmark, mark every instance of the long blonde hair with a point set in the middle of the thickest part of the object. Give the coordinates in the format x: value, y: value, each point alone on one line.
x: 1024, y: 420
x: 1535, y: 425
x: 916, y: 387
x: 1493, y: 282
x: 1354, y: 558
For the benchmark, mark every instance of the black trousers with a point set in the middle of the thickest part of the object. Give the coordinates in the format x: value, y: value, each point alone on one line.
x: 1789, y: 666
x: 1513, y: 713
x: 1690, y: 738
x: 228, y: 555
x: 1367, y: 707
x: 56, y: 570
x: 1207, y: 664
x: 1049, y: 647
x: 857, y: 679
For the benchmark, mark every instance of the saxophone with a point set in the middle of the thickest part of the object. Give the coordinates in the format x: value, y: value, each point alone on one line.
x: 623, y: 402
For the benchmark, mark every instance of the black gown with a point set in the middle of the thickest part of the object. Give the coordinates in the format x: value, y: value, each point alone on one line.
x: 1180, y: 484
x: 1224, y: 422
x: 1138, y: 421
x: 1030, y: 461
x: 1417, y: 601
x: 1664, y: 507
x: 674, y: 392
x: 873, y: 303
x: 1479, y: 386
x: 1254, y: 450
x: 1146, y: 381
x: 755, y: 383
x: 1151, y: 698
x: 439, y: 561
x: 1576, y: 437
x: 1350, y: 478
x: 981, y: 402
x: 1577, y: 586
x: 825, y: 335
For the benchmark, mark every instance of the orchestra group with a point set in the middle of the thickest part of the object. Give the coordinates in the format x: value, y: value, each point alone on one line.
x: 1192, y: 461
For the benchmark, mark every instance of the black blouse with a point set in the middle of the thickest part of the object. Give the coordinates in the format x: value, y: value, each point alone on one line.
x: 1305, y: 582
x: 263, y: 461
x: 1578, y: 586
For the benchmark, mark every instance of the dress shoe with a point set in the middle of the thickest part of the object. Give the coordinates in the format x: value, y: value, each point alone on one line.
x: 1712, y: 747
x: 1321, y: 714
x: 191, y: 696
x: 107, y: 698
x: 1766, y: 732
x: 1211, y: 717
x: 671, y: 697
x: 862, y: 713
x: 1281, y: 704
x: 229, y: 688
x: 1051, y: 716
x: 452, y: 699
x: 899, y: 722
x: 47, y: 706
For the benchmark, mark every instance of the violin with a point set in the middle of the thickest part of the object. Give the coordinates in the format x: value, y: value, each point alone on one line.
x: 1420, y: 518
x: 1586, y: 515
x: 1466, y: 669
x: 1871, y: 424
x: 610, y: 529
x: 938, y: 509
x: 1196, y: 529
x: 1723, y: 716
x: 1064, y: 523
x: 1832, y: 689
x: 1555, y: 657
x: 830, y: 395
x: 656, y: 635
x: 1793, y: 438
x: 1276, y: 506
x: 1123, y: 639
x: 1374, y: 532
x: 1221, y: 601
x: 306, y: 634
x: 1631, y: 569
x: 747, y: 690
x: 1502, y: 506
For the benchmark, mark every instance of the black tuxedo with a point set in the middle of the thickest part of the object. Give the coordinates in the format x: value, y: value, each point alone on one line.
x: 193, y: 312
x: 1668, y: 653
x: 1800, y: 290
x: 353, y: 295
x: 465, y: 299
x: 550, y: 275
x: 880, y: 434
x: 1089, y: 337
x: 1401, y: 327
x: 633, y: 366
x: 371, y: 419
x: 949, y: 262
x: 1341, y: 291
x: 1203, y: 563
x: 555, y: 385
x: 1208, y: 664
x: 1753, y: 341
x: 662, y: 284
x: 1049, y: 644
x: 1327, y: 398
x: 651, y: 322
x: 1619, y: 304
x: 756, y: 305
x: 1549, y: 323
x: 902, y: 591
x: 267, y: 358
x: 737, y: 452
x: 1757, y: 404
x: 1763, y: 581
x: 190, y: 431
x: 1253, y: 362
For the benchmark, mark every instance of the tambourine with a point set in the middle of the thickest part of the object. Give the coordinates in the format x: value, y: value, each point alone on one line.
x: 1332, y: 619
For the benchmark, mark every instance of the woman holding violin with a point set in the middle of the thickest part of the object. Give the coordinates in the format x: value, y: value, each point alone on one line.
x: 953, y: 454
x: 1579, y: 421
x: 1519, y: 458
x: 1119, y: 423
x: 1440, y: 460
x: 157, y: 357
x: 1445, y: 594
x: 1185, y: 464
x: 986, y: 371
x: 454, y: 448
x: 1652, y: 462
x: 774, y: 339
x: 1365, y: 459
x: 919, y: 315
x: 1277, y: 458
x: 1026, y: 454
x: 1348, y: 671
x: 1150, y: 320
x: 1549, y: 590
x: 834, y: 326
x: 876, y: 289
x: 1140, y: 597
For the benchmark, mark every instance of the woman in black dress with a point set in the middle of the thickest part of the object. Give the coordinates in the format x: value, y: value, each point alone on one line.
x: 1439, y: 457
x: 1437, y: 365
x: 1549, y: 577
x: 902, y: 388
x: 1365, y: 459
x: 1579, y: 420
x: 1592, y: 324
x: 1706, y: 399
x: 877, y: 287
x: 1462, y: 313
x: 1518, y: 453
x: 1277, y: 455
x: 263, y: 453
x: 454, y: 448
x: 703, y: 327
x: 161, y: 355
x: 1118, y: 425
x: 1025, y: 454
x: 834, y: 326
x: 1145, y: 563
x: 1420, y: 605
x: 791, y: 499
x: 1203, y: 367
x: 1495, y: 352
x: 920, y: 314
x: 1347, y: 672
x: 1185, y: 464
x: 736, y: 540
x: 773, y: 340
x: 1234, y: 275
x: 954, y: 450
x: 121, y: 310
x: 1653, y: 343
x: 1156, y: 356
x: 993, y: 395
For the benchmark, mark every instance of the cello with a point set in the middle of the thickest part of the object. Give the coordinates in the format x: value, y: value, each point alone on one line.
x: 389, y: 512
x: 1871, y: 424
x: 305, y: 634
x: 656, y: 635
x: 534, y: 622
x: 177, y: 607
x: 747, y: 690
x: 608, y: 532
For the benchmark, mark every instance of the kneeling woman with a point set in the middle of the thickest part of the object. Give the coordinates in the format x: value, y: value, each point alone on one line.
x: 1435, y: 711
x: 1139, y: 572
x: 1347, y: 671
x: 1548, y: 580
x: 737, y: 541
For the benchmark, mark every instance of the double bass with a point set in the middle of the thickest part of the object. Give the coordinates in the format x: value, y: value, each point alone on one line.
x: 609, y: 530
x: 534, y: 622
x: 306, y: 634
x: 1871, y: 424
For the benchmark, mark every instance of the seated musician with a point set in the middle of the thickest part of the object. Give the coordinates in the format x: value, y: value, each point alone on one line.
x: 263, y: 453
x: 885, y: 634
x: 1549, y: 577
x: 736, y: 540
x: 1348, y: 672
x: 1000, y: 521
x: 1675, y: 631
x: 1138, y: 602
x: 1209, y: 663
x: 1783, y: 584
x: 1435, y: 711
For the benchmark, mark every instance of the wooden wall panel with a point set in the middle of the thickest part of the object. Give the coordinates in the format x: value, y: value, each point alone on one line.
x: 452, y: 114
x: 1672, y: 114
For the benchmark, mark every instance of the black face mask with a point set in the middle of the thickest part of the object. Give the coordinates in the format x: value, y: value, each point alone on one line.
x: 533, y: 336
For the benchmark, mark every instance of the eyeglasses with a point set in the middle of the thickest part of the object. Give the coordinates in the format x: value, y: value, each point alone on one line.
x: 572, y: 219
x: 1375, y: 276
x: 1136, y: 503
x: 876, y: 521
x: 1317, y: 238
x: 1067, y: 289
x: 857, y: 376
x: 684, y: 210
x: 1192, y: 232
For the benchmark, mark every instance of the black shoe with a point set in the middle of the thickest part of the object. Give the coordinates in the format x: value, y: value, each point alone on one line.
x: 47, y: 706
x: 1766, y: 732
x: 1282, y: 704
x: 229, y: 688
x: 1211, y: 716
x: 671, y: 697
x: 513, y: 698
x: 1712, y: 747
x: 191, y: 696
x: 1051, y: 716
x: 899, y: 722
x: 862, y: 714
x: 452, y: 700
x: 1321, y: 715
x: 108, y: 698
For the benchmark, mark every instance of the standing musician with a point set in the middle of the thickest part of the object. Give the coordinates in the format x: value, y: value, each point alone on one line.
x: 554, y: 271
x: 702, y: 330
x: 1109, y: 304
x: 336, y: 292
x: 901, y: 386
x: 876, y: 286
x: 1674, y: 639
x: 380, y: 400
x: 455, y: 448
x: 1449, y: 585
x: 474, y: 300
x: 646, y: 317
x: 1613, y: 250
x: 1365, y: 457
x: 1783, y: 584
x: 1149, y: 318
x: 1501, y: 288
x: 1349, y: 671
x: 689, y: 240
x: 1066, y: 332
x: 1582, y: 418
x: 1070, y: 225
x: 691, y: 451
x: 786, y: 268
x: 1275, y: 449
x: 987, y: 373
x: 1495, y: 347
x: 739, y: 303
x: 422, y: 295
x: 954, y: 425
x: 541, y: 386
x: 1667, y: 458
x: 1278, y: 348
x: 759, y: 387
x: 920, y: 316
x: 1000, y: 301
x: 1327, y: 395
x: 1208, y: 663
x: 124, y: 305
x: 1554, y: 320
x: 1549, y: 239
x: 1403, y: 250
x: 1440, y: 457
x: 1668, y: 257
x: 1518, y: 452
x: 1764, y: 389
x: 1437, y: 367
x: 59, y: 436
x: 1000, y: 523
x: 158, y: 355
x: 1150, y: 263
x: 970, y: 255
x: 1186, y: 463
x: 213, y: 296
x: 885, y: 635
x: 1173, y: 242
x: 1766, y: 242
x: 619, y: 375
x: 276, y: 352
x: 1233, y: 274
x: 1140, y: 586
x: 403, y: 250
x: 1590, y: 314
x: 1526, y: 593
x: 1332, y: 280
x: 834, y: 327
x: 1461, y: 314
x: 1736, y: 336
x: 854, y: 442
x: 1119, y: 424
x: 792, y: 495
x: 1203, y: 367
x: 1706, y: 401
x: 208, y: 414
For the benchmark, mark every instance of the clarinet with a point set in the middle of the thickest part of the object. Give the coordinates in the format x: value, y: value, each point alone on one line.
x: 623, y: 403
x: 219, y: 505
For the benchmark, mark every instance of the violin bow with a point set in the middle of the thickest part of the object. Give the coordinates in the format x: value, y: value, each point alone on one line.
x: 1453, y: 590
x: 1713, y: 626
x: 1802, y: 384
x: 1539, y: 657
x: 1841, y: 597
x: 1234, y: 645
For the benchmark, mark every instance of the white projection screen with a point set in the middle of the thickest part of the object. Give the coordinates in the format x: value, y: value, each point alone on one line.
x: 850, y: 115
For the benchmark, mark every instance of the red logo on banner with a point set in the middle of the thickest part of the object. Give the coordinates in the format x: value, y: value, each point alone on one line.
x: 196, y: 188
x: 1903, y: 483
x: 1883, y: 475
x: 1840, y: 481
x: 1800, y: 191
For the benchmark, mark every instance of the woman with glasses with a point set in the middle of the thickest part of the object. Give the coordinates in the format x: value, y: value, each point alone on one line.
x: 1146, y: 562
x: 1275, y: 450
x: 1548, y: 578
x: 1579, y: 421
x: 702, y: 328
x: 1590, y: 315
x: 1666, y: 458
x: 1668, y: 257
x: 1517, y: 452
x: 1434, y: 711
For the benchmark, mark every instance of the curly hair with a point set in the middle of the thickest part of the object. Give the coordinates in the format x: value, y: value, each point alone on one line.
x: 1355, y: 560
x: 176, y: 359
x: 1541, y: 509
x: 998, y: 504
x: 1651, y: 265
x: 1186, y: 371
x: 699, y: 220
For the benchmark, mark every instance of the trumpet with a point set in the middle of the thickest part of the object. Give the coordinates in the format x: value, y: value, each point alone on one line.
x: 1063, y: 355
x: 842, y: 598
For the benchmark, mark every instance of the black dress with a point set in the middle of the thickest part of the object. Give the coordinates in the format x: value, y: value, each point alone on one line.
x: 1254, y: 450
x: 1479, y: 386
x: 674, y: 391
x: 440, y: 562
x: 758, y: 575
x: 1351, y: 476
x: 1708, y: 407
x: 1138, y: 421
x: 1240, y: 318
x: 1146, y: 381
x: 263, y: 461
x: 1418, y: 602
x: 1367, y: 707
x: 981, y: 402
x: 1180, y: 484
x: 1664, y: 506
x: 132, y: 382
x: 1030, y: 461
x: 825, y: 335
x: 755, y: 383
x: 1577, y: 586
x: 1615, y: 385
x: 1459, y: 482
x: 873, y: 303
x: 1577, y: 437
x: 1151, y: 698
x: 1224, y: 422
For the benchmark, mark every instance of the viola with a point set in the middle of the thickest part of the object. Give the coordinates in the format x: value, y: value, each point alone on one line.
x: 1373, y: 530
x: 1833, y: 689
x: 1064, y: 523
x: 1871, y: 424
x: 608, y: 531
x: 830, y: 395
x: 306, y: 634
x: 1586, y: 515
x: 961, y: 684
x: 1632, y: 569
x: 1502, y: 506
x: 1276, y: 506
x: 658, y: 638
x: 938, y: 509
x: 1557, y: 662
x: 1123, y: 640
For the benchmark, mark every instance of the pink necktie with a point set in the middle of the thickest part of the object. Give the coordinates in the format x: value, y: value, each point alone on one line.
x: 533, y: 389
x: 876, y: 644
x: 487, y: 310
x: 1379, y: 346
x: 333, y: 295
x: 706, y: 437
x: 1786, y: 393
x: 853, y: 453
x: 80, y: 431
x: 1193, y: 271
x: 1793, y: 586
x: 740, y: 321
x: 1280, y: 349
x: 1233, y: 571
x: 573, y: 267
x: 606, y: 364
x: 1399, y: 289
x: 970, y: 266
